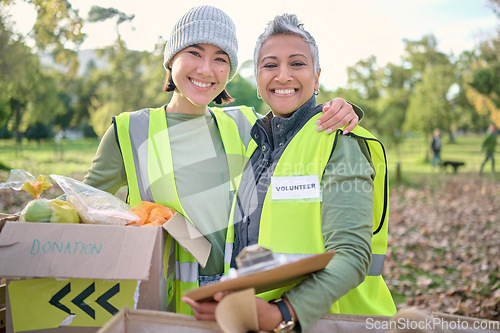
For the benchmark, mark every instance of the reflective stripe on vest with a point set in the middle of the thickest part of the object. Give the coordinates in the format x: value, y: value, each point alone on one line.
x: 309, y: 152
x: 186, y: 271
x: 228, y: 251
x: 145, y: 146
x: 245, y: 118
x: 377, y: 264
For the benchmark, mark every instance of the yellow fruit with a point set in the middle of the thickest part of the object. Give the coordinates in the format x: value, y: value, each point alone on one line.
x: 63, y: 212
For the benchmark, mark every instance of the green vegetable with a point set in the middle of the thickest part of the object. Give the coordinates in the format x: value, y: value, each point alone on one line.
x: 38, y: 210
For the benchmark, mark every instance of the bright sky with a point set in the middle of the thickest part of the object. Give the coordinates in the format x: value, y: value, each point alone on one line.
x: 345, y: 30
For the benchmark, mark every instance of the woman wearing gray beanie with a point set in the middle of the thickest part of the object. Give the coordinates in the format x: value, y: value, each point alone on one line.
x: 185, y: 155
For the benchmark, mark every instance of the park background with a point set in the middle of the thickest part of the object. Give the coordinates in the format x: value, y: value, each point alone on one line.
x: 57, y: 98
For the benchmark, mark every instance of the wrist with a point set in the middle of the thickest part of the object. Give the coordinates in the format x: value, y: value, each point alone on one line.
x: 286, y: 316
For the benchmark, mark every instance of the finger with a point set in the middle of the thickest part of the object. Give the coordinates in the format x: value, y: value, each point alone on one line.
x: 350, y: 122
x: 204, y: 316
x: 351, y: 126
x: 188, y: 301
x: 327, y: 105
x: 221, y: 294
x: 197, y: 306
x: 334, y: 116
x: 329, y: 109
x: 203, y: 310
x: 343, y: 117
x: 194, y: 305
x: 335, y: 123
x: 335, y: 103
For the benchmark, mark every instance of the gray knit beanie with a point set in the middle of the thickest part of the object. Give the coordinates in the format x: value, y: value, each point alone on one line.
x: 204, y: 25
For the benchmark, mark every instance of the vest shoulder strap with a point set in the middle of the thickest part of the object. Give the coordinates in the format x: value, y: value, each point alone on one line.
x: 243, y: 116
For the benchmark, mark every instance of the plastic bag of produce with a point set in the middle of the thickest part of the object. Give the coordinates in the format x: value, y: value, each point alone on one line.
x: 53, y: 211
x: 93, y: 205
x: 22, y: 180
x: 39, y: 209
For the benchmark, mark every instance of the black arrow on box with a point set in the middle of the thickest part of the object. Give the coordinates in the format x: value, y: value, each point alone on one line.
x: 103, y: 300
x: 55, y: 300
x: 79, y: 300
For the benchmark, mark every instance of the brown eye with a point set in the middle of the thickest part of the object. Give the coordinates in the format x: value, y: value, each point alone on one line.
x: 221, y: 60
x: 298, y: 64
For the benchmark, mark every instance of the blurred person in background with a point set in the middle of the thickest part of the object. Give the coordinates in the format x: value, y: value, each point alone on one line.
x: 488, y: 146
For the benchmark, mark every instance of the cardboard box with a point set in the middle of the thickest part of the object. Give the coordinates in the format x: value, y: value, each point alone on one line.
x: 406, y: 320
x: 3, y: 310
x: 156, y: 321
x: 75, y: 277
x: 159, y: 322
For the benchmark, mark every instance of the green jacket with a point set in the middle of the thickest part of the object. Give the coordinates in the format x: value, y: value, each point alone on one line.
x: 489, y: 143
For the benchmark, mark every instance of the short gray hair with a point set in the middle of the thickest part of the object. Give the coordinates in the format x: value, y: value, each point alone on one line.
x: 286, y: 24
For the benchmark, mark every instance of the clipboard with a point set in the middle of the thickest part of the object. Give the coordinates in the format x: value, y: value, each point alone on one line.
x: 273, y: 278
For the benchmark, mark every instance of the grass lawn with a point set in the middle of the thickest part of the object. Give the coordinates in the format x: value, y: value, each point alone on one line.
x: 70, y: 158
x: 414, y: 158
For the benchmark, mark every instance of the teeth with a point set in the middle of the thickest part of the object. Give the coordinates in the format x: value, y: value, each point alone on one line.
x: 201, y: 85
x: 284, y: 91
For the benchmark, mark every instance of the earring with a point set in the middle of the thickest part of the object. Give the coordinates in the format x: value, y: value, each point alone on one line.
x: 259, y: 96
x: 316, y: 92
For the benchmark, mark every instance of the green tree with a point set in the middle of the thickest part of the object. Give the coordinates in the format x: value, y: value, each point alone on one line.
x: 98, y: 14
x: 120, y: 85
x: 154, y: 77
x: 384, y: 94
x: 429, y: 107
x: 243, y: 88
x: 393, y: 102
x: 467, y: 118
x: 420, y: 54
x: 436, y: 88
x: 244, y: 93
x: 495, y: 6
x: 20, y: 74
x: 484, y: 80
x: 57, y: 30
x: 28, y: 92
x: 365, y: 76
x: 45, y: 102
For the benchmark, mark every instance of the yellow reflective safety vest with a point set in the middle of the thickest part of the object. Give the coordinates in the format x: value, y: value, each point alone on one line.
x: 308, y: 154
x: 145, y: 146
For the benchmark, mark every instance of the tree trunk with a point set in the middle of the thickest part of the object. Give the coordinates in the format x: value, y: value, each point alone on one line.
x: 398, y: 173
x: 17, y: 115
x: 452, y: 136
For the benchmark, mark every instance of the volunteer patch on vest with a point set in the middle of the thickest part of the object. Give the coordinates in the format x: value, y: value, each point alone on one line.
x: 295, y: 187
